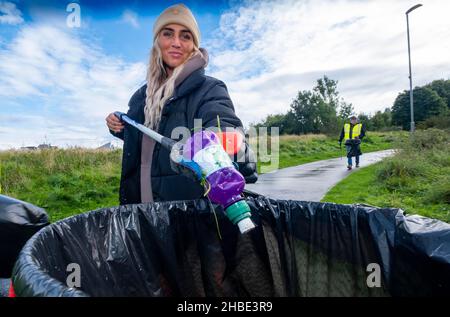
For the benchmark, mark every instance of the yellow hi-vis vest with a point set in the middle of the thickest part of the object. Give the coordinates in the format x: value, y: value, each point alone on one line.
x: 356, y: 130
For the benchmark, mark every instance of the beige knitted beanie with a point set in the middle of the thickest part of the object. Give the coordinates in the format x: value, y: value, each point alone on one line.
x: 178, y: 14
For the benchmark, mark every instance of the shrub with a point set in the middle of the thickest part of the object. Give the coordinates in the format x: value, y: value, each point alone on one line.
x: 427, y: 139
x: 439, y: 192
x: 400, y: 166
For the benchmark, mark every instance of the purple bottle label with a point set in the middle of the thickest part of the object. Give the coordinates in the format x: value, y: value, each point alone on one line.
x: 227, y: 184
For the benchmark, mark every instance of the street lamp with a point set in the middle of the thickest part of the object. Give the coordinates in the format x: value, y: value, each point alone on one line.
x: 410, y: 75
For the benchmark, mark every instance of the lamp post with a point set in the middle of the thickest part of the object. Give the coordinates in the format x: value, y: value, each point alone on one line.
x: 410, y: 75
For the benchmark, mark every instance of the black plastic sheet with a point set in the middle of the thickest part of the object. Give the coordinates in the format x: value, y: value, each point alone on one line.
x: 19, y: 220
x: 178, y: 249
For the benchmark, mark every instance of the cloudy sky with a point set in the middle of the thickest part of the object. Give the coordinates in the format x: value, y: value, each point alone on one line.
x: 58, y: 83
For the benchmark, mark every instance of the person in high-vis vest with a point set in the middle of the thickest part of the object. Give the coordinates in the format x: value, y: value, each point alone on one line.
x: 353, y: 133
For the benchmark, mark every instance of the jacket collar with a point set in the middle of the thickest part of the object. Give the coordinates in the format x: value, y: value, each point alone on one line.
x: 193, y: 81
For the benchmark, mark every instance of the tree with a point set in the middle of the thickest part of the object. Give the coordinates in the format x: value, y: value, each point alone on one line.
x: 327, y: 89
x: 346, y: 110
x: 306, y: 111
x: 377, y: 121
x: 427, y: 103
x: 365, y: 119
x: 313, y: 111
x: 442, y: 88
x: 284, y: 122
x: 381, y: 120
x: 276, y: 120
x: 387, y: 117
x: 290, y: 125
x: 316, y: 111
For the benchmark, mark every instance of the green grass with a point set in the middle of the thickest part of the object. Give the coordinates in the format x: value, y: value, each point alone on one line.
x: 64, y: 182
x: 416, y: 179
x: 300, y: 149
x: 71, y: 181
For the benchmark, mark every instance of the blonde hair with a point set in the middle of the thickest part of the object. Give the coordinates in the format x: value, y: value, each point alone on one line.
x: 160, y: 86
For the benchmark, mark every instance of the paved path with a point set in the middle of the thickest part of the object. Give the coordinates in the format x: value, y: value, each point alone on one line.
x: 309, y: 181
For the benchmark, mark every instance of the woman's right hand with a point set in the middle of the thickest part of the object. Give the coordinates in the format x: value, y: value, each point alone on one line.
x: 113, y: 123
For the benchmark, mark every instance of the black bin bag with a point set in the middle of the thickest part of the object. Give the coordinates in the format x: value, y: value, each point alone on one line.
x: 184, y: 248
x: 19, y: 220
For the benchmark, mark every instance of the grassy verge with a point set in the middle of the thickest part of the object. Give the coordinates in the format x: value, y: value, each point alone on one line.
x: 416, y: 179
x: 300, y: 149
x: 64, y: 182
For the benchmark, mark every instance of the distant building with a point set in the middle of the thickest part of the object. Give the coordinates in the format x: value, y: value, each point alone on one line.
x: 39, y: 147
x: 46, y: 146
x: 107, y: 146
x: 27, y: 148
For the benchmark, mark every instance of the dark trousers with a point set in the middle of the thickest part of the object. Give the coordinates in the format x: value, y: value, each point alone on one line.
x: 353, y: 150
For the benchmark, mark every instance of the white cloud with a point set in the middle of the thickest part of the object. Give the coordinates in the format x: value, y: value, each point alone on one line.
x: 73, y: 84
x: 9, y: 14
x: 266, y: 51
x: 130, y: 17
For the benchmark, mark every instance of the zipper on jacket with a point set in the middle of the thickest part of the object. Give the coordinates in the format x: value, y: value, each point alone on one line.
x: 170, y: 100
x: 166, y: 104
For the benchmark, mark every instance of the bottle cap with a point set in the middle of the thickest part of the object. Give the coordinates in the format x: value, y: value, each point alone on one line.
x: 238, y: 211
x: 245, y: 225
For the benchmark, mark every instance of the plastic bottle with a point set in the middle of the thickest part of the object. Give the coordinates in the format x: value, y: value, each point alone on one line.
x: 227, y: 184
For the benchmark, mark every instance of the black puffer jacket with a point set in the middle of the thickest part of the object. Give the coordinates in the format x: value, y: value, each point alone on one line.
x: 198, y: 96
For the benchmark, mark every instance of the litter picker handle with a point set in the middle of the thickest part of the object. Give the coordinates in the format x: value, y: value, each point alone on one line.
x: 164, y: 141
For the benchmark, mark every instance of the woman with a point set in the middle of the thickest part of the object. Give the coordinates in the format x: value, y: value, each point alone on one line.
x: 176, y: 93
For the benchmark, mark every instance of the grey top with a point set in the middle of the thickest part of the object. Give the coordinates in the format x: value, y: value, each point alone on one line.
x: 148, y: 145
